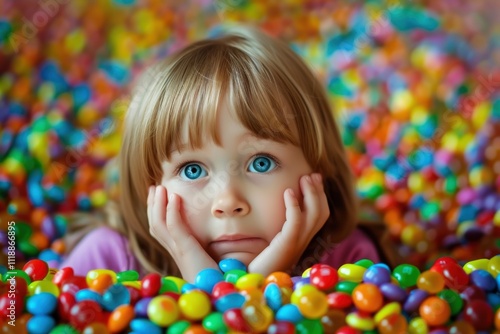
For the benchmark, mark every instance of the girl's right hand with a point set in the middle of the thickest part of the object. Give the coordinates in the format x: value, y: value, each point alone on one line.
x: 166, y: 226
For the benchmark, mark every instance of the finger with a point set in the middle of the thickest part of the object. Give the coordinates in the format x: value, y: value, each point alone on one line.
x: 177, y: 229
x: 311, y: 199
x: 293, y: 215
x: 150, y: 202
x: 323, y: 209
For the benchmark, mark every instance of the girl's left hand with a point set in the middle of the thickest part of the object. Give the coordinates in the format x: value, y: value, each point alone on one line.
x: 298, y: 230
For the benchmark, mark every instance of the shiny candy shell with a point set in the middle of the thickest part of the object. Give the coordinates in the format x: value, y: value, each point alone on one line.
x: 40, y: 324
x: 323, y: 276
x: 194, y: 305
x: 43, y: 303
x: 207, y: 278
x: 120, y: 318
x: 163, y: 310
x: 229, y: 301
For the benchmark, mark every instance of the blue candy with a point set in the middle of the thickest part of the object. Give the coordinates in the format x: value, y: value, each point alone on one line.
x: 377, y: 275
x: 40, y: 324
x: 289, y: 312
x: 229, y: 301
x: 229, y: 264
x: 115, y: 296
x: 207, y: 278
x: 42, y: 303
x: 144, y: 326
x: 483, y: 279
x: 88, y: 294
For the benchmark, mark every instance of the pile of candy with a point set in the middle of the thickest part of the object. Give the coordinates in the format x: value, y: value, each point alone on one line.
x: 357, y: 298
x: 413, y: 83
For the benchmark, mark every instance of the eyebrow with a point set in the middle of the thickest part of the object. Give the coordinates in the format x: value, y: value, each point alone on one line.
x: 246, y: 135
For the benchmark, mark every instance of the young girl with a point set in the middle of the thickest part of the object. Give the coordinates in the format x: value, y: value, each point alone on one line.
x: 230, y: 150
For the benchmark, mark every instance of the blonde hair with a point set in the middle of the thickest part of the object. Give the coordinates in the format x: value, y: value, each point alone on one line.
x: 271, y: 91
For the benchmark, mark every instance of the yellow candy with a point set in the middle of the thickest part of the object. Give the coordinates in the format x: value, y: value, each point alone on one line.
x: 306, y: 272
x: 351, y: 272
x: 163, y: 311
x: 416, y: 182
x: 93, y: 274
x: 194, y: 305
x: 251, y: 280
x: 496, y: 218
x: 475, y: 265
x: 43, y: 286
x: 358, y: 322
x: 50, y: 274
x: 302, y: 291
x: 480, y: 176
x: 481, y: 114
x: 313, y: 304
x: 494, y: 266
x: 258, y: 315
x: 418, y: 326
x: 412, y: 235
x: 133, y: 284
x: 387, y: 310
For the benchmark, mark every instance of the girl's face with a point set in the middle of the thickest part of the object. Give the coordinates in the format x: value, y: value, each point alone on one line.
x: 233, y: 194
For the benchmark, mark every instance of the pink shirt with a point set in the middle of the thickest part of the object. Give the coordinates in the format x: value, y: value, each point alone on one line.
x: 105, y: 248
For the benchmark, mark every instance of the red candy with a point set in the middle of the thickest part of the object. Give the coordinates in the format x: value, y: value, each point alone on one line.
x: 65, y: 302
x: 281, y: 327
x: 323, y: 276
x: 235, y: 320
x: 84, y: 313
x: 36, y: 269
x: 339, y: 300
x: 223, y: 288
x: 151, y: 284
x: 479, y: 314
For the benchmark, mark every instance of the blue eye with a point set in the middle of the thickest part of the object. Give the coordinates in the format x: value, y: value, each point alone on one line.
x: 262, y: 164
x: 193, y: 171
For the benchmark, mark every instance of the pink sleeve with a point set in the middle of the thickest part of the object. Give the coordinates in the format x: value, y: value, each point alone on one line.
x: 354, y: 248
x: 103, y: 248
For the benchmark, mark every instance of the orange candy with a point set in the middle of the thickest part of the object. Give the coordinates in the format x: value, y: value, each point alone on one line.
x: 39, y: 240
x: 101, y: 282
x: 121, y: 317
x: 196, y: 329
x: 435, y: 311
x: 280, y: 278
x: 367, y: 297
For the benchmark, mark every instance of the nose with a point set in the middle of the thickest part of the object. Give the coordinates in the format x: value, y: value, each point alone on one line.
x: 229, y: 204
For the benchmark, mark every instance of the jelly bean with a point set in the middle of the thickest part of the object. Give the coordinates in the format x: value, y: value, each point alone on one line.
x: 377, y: 275
x: 196, y: 329
x: 43, y: 286
x: 65, y: 302
x: 289, y: 313
x: 230, y: 264
x: 351, y: 272
x: 273, y: 296
x: 36, y: 269
x: 251, y: 280
x: 435, y: 311
x: 387, y: 310
x: 479, y: 314
x: 222, y: 288
x: 280, y: 278
x: 394, y: 323
x: 367, y: 297
x: 233, y: 275
x: 84, y: 313
x: 347, y: 330
x: 61, y: 275
x: 115, y: 296
x: 87, y: 294
x: 323, y: 276
x: 471, y: 293
x: 172, y: 283
x: 257, y: 315
x: 43, y: 303
x: 120, y: 318
x: 332, y: 320
x: 141, y: 307
x: 207, y: 278
x: 151, y: 284
x: 229, y: 301
x: 346, y: 287
x: 19, y: 273
x: 194, y: 305
x: 281, y: 327
x: 476, y: 264
x: 214, y: 322
x: 406, y: 275
x: 453, y: 299
x: 145, y: 326
x: 418, y: 326
x: 127, y: 275
x: 163, y: 310
x: 93, y: 274
x: 339, y: 300
x: 461, y: 326
x: 64, y: 329
x: 494, y: 265
x: 101, y: 282
x: 40, y: 324
x: 235, y: 320
x: 311, y: 304
x: 483, y: 280
x: 367, y: 263
x: 392, y: 292
x: 430, y: 281
x: 178, y: 327
x: 360, y: 322
x: 95, y: 328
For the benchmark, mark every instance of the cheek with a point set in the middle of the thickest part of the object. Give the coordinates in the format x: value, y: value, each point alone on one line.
x: 271, y: 213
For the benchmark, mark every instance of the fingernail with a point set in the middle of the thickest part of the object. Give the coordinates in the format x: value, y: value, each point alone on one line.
x: 171, y: 197
x: 290, y: 191
x: 308, y: 179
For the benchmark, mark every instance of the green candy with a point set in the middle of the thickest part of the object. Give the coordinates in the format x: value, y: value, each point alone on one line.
x: 233, y: 275
x: 453, y: 299
x: 127, y: 276
x: 214, y: 322
x: 346, y: 286
x: 309, y: 326
x: 28, y: 248
x: 178, y: 327
x: 168, y: 286
x: 17, y: 273
x: 366, y: 263
x: 23, y: 231
x: 63, y: 329
x: 406, y: 275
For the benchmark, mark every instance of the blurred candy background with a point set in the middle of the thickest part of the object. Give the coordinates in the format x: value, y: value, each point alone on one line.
x: 414, y: 84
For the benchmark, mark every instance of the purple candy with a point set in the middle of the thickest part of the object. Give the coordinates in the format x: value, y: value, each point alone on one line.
x: 377, y: 275
x: 483, y: 279
x: 141, y: 307
x: 49, y: 228
x: 3, y: 238
x: 300, y: 282
x: 466, y: 196
x: 393, y: 292
x: 415, y: 298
